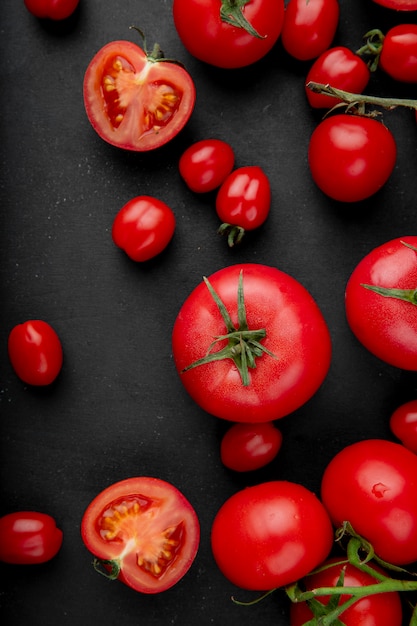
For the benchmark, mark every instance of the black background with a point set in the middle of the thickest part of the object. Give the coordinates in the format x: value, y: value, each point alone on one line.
x: 118, y: 408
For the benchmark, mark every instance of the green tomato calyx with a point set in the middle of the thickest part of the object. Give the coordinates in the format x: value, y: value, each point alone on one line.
x: 407, y: 295
x: 231, y: 12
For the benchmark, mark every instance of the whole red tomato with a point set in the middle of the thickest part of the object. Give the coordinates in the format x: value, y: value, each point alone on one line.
x: 28, y: 537
x: 134, y: 100
x: 35, y: 352
x: 247, y: 447
x: 373, y: 485
x: 143, y: 227
x: 205, y: 164
x: 381, y: 305
x: 398, y: 57
x: 143, y: 531
x: 270, y: 535
x: 228, y: 34
x: 51, y: 9
x: 309, y: 27
x: 403, y: 424
x: 399, y: 5
x: 266, y: 318
x: 351, y: 157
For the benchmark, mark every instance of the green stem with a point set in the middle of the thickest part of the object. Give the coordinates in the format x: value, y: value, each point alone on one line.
x: 356, y: 99
x: 408, y: 295
x: 231, y: 12
x: 372, y: 48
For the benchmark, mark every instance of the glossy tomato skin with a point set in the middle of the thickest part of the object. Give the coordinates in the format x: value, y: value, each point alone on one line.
x: 143, y: 227
x: 340, y: 68
x: 28, y: 538
x: 398, y: 5
x: 35, y: 352
x: 147, y: 527
x: 296, y: 333
x: 270, y: 535
x: 383, y: 609
x: 385, y: 326
x: 309, y: 27
x: 351, y: 157
x: 247, y: 447
x: 211, y: 40
x: 398, y: 56
x: 206, y: 164
x: 373, y: 485
x: 403, y: 424
x: 133, y: 101
x: 51, y: 9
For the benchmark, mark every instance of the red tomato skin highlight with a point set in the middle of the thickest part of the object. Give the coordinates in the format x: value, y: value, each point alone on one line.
x: 309, y: 27
x: 247, y: 447
x: 398, y: 56
x: 403, y: 424
x: 51, y: 9
x: 206, y: 164
x: 29, y: 538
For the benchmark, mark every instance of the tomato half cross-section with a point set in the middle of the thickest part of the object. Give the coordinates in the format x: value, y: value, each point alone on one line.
x: 142, y: 531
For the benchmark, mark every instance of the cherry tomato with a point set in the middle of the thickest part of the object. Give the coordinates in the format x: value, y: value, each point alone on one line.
x: 383, y: 609
x: 228, y: 34
x: 247, y: 447
x: 35, y: 352
x: 270, y: 535
x: 399, y: 5
x: 381, y: 305
x: 134, y: 100
x: 398, y: 56
x: 271, y: 321
x: 28, y: 537
x: 206, y: 164
x: 143, y: 531
x: 373, y: 485
x: 340, y: 68
x: 143, y: 227
x: 403, y: 424
x: 309, y: 27
x: 351, y: 157
x: 51, y: 9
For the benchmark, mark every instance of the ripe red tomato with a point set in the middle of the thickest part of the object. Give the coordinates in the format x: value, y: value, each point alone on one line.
x: 380, y: 318
x: 228, y: 34
x: 28, y: 537
x: 383, y: 609
x: 398, y: 57
x: 284, y: 335
x: 51, y: 9
x: 206, y: 164
x: 144, y: 531
x: 35, y: 352
x: 373, y: 485
x: 270, y: 535
x: 403, y: 424
x: 247, y: 447
x: 340, y: 68
x: 351, y: 157
x: 399, y: 5
x: 134, y: 100
x: 143, y: 227
x: 309, y: 27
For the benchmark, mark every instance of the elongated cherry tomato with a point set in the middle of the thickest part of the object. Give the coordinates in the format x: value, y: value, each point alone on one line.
x: 205, y: 165
x: 28, y: 537
x: 51, y: 9
x: 247, y: 447
x: 309, y: 27
x: 398, y: 56
x: 403, y: 424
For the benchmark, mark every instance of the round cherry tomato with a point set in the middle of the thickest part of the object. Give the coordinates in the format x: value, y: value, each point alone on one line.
x: 51, y: 9
x: 373, y: 485
x: 403, y: 424
x: 143, y: 531
x: 269, y: 321
x: 382, y: 609
x: 228, y: 34
x: 35, y: 352
x: 309, y: 27
x: 351, y: 157
x: 398, y: 56
x: 206, y: 164
x: 134, y: 100
x: 340, y: 68
x: 380, y: 302
x: 247, y: 447
x: 143, y: 227
x: 28, y: 537
x: 399, y: 5
x: 270, y: 535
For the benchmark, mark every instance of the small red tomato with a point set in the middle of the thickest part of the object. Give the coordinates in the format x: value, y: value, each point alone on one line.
x: 398, y: 5
x: 35, y: 352
x: 247, y: 447
x: 403, y: 424
x: 309, y: 27
x: 398, y: 56
x: 143, y: 227
x: 51, y: 9
x: 206, y: 164
x: 28, y: 537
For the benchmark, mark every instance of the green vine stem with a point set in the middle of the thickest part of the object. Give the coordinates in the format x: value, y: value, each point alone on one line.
x: 360, y: 100
x: 372, y: 48
x: 407, y: 295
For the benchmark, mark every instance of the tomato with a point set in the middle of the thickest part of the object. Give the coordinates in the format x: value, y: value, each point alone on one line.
x: 309, y: 27
x: 228, y: 33
x: 383, y: 609
x: 51, y: 9
x: 380, y: 302
x: 134, y: 100
x: 351, y: 157
x: 373, y: 485
x: 35, y: 352
x: 340, y: 68
x: 144, y: 531
x: 399, y: 5
x: 206, y: 164
x: 398, y: 57
x: 270, y: 535
x: 143, y: 227
x: 274, y: 324
x: 247, y: 447
x: 403, y: 424
x: 28, y: 537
